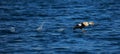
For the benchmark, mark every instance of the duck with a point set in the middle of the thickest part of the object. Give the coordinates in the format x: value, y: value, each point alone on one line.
x: 83, y: 25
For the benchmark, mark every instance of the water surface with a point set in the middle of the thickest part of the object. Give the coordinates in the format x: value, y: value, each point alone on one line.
x: 19, y: 20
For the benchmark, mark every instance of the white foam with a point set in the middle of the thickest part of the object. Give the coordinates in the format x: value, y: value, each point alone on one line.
x: 40, y: 27
x: 12, y: 29
x: 61, y: 29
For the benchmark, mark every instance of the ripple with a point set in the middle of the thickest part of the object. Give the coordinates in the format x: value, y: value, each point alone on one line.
x: 56, y: 35
x: 13, y: 19
x: 111, y: 39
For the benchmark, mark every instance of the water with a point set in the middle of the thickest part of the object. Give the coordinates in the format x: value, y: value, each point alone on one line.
x: 55, y: 19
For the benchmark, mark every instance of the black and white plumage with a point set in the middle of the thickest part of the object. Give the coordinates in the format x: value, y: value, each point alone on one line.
x: 82, y: 25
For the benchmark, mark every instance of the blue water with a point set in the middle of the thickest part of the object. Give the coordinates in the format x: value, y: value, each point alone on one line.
x: 46, y: 27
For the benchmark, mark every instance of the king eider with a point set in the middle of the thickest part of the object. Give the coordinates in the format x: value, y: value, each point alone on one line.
x: 82, y: 25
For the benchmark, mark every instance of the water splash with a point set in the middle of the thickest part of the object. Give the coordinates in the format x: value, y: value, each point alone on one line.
x: 40, y: 27
x: 61, y: 29
x: 12, y: 29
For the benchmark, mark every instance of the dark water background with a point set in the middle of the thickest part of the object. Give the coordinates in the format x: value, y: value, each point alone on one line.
x: 19, y: 20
